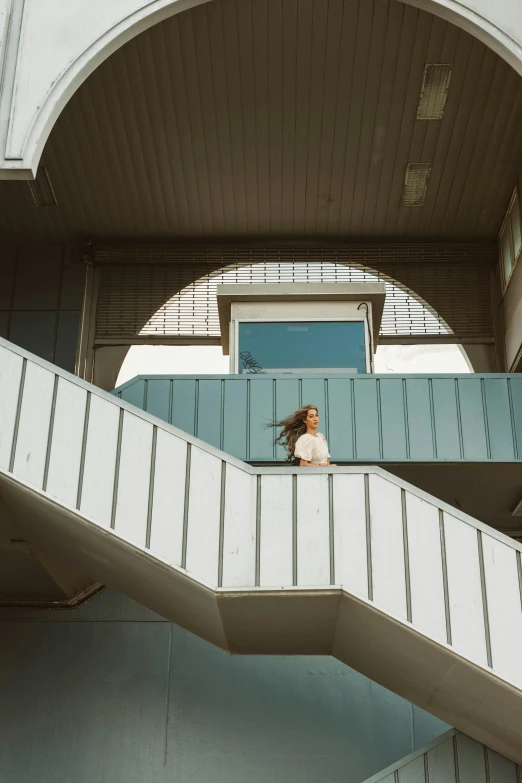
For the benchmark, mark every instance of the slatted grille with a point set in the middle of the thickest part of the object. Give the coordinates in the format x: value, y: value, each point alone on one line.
x: 434, y: 91
x: 171, y: 291
x: 416, y: 184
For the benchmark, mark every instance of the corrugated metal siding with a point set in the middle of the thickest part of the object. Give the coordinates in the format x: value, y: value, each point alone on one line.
x: 136, y: 281
x: 377, y: 419
x: 285, y: 118
x: 452, y: 758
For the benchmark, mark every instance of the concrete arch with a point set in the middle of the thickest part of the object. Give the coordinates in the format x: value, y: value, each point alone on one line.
x: 36, y: 90
x: 497, y: 25
x: 46, y: 95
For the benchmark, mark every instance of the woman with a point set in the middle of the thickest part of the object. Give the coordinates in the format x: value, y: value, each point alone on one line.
x: 300, y: 438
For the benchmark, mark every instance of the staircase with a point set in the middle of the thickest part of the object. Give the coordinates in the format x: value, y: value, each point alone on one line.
x: 349, y: 561
x: 451, y: 758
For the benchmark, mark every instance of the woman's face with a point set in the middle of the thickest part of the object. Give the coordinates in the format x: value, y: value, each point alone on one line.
x: 312, y: 419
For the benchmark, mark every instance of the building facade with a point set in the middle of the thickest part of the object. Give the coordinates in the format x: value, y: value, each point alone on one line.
x: 176, y: 602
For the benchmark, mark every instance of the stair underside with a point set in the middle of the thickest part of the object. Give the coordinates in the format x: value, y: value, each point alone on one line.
x: 321, y: 621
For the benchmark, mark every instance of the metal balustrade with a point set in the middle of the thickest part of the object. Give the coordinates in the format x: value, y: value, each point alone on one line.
x: 372, y: 418
x: 451, y: 758
x: 347, y: 561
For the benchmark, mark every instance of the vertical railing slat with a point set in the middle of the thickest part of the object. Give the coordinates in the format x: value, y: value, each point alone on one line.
x: 132, y: 492
x: 33, y: 427
x: 65, y: 452
x: 239, y: 529
x: 12, y: 376
x: 168, y: 498
x: 202, y: 550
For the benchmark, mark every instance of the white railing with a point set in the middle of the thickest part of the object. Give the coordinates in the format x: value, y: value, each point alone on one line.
x: 357, y: 531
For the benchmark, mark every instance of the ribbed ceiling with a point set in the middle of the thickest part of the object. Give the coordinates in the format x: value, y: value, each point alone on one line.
x: 282, y: 118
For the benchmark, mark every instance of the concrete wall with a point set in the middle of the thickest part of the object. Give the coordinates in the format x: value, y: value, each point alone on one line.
x: 111, y: 692
x: 41, y: 292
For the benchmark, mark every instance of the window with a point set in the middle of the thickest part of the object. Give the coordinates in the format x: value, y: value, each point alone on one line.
x: 516, y: 231
x: 511, y: 239
x: 302, y: 346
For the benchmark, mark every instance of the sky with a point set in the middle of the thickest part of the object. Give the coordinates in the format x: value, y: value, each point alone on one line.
x: 209, y: 360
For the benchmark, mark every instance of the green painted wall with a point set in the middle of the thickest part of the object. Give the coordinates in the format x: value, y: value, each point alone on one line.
x: 475, y: 418
x: 41, y: 292
x: 111, y: 693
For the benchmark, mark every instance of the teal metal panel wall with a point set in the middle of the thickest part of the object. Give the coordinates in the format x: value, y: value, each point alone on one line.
x: 41, y: 292
x: 115, y: 694
x: 372, y: 418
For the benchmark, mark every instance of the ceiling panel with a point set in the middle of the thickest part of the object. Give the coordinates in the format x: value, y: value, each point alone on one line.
x: 280, y: 118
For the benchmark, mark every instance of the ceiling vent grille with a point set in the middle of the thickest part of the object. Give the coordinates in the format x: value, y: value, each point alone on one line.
x: 416, y: 184
x: 435, y: 88
x: 42, y: 189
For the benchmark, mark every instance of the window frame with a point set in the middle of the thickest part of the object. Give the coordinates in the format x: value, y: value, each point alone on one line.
x: 514, y: 204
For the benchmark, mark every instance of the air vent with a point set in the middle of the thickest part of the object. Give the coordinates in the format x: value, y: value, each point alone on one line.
x: 41, y: 189
x: 416, y: 184
x: 434, y: 93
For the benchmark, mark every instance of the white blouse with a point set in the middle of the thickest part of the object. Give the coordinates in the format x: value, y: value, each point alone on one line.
x: 312, y: 448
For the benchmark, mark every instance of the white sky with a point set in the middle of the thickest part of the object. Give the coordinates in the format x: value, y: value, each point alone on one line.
x: 209, y: 360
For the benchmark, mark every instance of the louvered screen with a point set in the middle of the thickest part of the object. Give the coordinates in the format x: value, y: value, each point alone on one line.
x: 161, y: 291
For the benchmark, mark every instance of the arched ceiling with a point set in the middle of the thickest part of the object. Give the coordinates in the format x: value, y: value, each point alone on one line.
x: 280, y: 118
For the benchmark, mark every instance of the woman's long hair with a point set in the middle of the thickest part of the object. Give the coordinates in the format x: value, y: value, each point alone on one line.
x: 293, y: 427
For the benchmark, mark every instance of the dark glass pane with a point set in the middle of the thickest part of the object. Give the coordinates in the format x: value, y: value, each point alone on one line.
x: 507, y: 252
x: 515, y: 228
x: 308, y: 346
